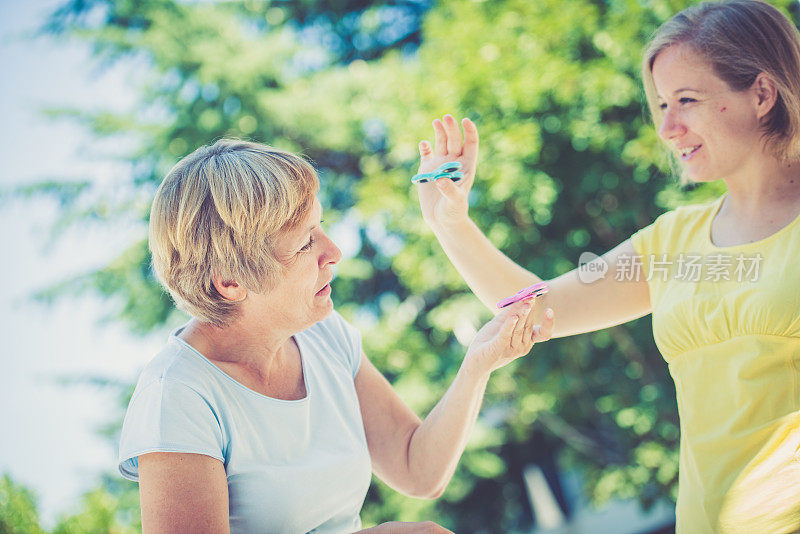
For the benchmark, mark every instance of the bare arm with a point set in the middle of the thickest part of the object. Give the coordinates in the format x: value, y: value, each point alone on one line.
x: 490, y: 274
x: 182, y: 492
x: 602, y: 304
x: 418, y: 458
x: 392, y: 427
x: 580, y: 307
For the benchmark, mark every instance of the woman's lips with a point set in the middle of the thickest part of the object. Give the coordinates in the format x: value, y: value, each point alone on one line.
x: 690, y: 155
x: 324, y: 291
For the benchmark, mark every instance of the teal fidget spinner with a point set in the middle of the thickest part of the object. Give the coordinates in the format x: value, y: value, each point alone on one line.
x: 446, y: 170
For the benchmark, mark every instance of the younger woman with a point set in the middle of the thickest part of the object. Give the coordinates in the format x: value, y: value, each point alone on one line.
x: 723, y: 84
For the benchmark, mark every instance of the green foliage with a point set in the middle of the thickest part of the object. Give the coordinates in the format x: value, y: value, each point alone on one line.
x: 100, y: 511
x: 18, y: 513
x: 569, y: 162
x: 111, y: 508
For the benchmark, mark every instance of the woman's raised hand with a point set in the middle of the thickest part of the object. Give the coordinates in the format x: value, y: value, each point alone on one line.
x: 443, y: 202
x: 510, y: 335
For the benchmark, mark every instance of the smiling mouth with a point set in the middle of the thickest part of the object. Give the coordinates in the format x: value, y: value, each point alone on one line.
x: 688, y: 152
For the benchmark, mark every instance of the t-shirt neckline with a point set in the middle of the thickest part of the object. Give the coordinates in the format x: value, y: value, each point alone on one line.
x: 760, y: 242
x: 303, y: 364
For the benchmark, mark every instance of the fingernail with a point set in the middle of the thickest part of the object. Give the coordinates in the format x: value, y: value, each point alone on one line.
x: 549, y: 313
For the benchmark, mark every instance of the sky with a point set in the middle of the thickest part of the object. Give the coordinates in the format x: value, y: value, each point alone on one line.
x: 47, y: 438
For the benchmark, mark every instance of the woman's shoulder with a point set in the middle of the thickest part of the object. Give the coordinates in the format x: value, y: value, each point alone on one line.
x: 690, y: 213
x: 685, y: 225
x: 175, y: 364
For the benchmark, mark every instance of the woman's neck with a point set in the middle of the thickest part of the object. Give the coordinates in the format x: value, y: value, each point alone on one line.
x: 766, y: 186
x: 238, y: 344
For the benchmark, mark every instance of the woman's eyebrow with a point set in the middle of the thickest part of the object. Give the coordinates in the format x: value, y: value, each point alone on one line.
x: 684, y: 89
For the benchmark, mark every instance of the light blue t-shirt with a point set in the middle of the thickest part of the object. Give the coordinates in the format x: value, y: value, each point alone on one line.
x: 292, y: 465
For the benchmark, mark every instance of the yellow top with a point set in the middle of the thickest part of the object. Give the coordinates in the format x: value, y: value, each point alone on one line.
x: 727, y: 321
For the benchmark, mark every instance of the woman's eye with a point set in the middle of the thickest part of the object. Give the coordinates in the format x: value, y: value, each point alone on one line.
x: 686, y: 100
x: 308, y: 245
x: 662, y: 105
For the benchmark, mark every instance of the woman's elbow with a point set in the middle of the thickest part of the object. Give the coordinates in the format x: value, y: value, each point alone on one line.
x: 428, y: 491
x: 436, y: 493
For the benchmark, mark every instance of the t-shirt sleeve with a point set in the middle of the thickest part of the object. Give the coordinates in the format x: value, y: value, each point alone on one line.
x: 643, y: 241
x: 651, y: 240
x: 350, y: 339
x: 655, y: 244
x: 167, y: 416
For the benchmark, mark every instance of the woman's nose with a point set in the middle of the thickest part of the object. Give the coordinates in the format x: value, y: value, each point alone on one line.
x: 332, y: 254
x: 671, y: 125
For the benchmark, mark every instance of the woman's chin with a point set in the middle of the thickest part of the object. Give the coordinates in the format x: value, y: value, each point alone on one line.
x: 694, y: 177
x: 323, y: 310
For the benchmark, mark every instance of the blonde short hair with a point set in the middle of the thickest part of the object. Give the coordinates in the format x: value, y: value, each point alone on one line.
x: 740, y: 38
x: 218, y: 211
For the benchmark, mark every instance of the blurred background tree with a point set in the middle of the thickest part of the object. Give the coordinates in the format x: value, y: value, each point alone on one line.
x: 569, y: 162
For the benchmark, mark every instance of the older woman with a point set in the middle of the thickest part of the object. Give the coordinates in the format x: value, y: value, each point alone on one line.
x: 263, y: 414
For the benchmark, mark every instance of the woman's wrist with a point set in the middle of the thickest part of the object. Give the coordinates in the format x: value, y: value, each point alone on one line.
x: 473, y: 374
x: 450, y: 228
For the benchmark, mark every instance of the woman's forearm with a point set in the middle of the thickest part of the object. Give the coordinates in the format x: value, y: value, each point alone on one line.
x: 437, y: 444
x: 489, y: 273
x: 433, y: 447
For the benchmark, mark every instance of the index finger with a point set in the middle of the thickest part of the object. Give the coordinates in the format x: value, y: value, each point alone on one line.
x: 455, y: 142
x: 440, y: 138
x: 530, y: 320
x: 470, y: 152
x: 515, y: 308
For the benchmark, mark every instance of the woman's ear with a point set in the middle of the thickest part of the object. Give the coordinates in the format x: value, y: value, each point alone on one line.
x: 229, y: 289
x: 766, y: 94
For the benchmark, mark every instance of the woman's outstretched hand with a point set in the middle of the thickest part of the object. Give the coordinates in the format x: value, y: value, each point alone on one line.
x: 398, y: 527
x: 443, y: 202
x: 510, y: 335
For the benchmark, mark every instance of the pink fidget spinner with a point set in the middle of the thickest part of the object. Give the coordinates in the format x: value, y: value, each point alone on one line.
x: 536, y: 290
